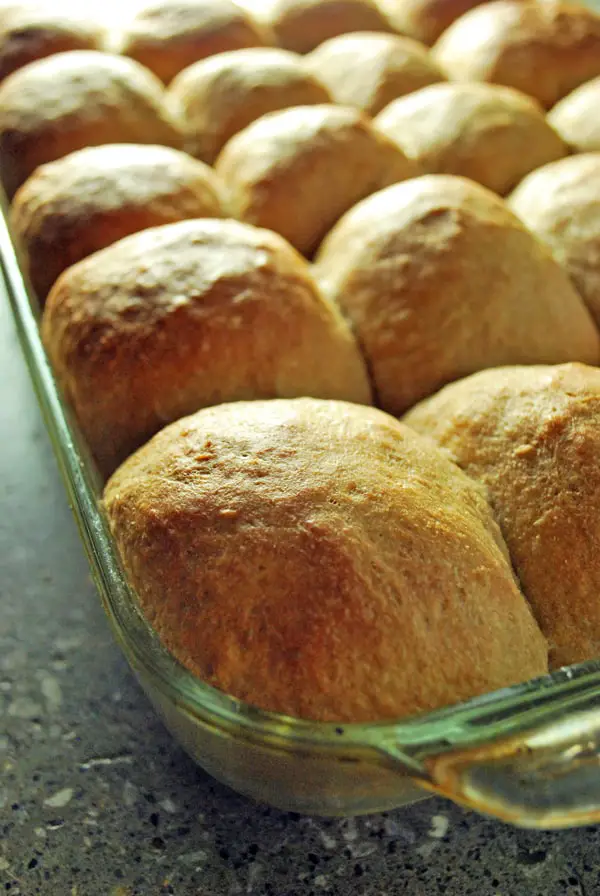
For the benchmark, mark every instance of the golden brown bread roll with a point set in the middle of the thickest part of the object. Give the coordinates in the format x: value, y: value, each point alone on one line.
x: 576, y: 117
x: 34, y: 30
x: 66, y: 102
x: 71, y: 208
x: 188, y: 315
x: 168, y: 35
x: 544, y: 48
x: 440, y: 279
x: 531, y: 435
x: 493, y: 135
x: 561, y: 204
x: 369, y: 70
x: 321, y: 560
x: 301, y: 25
x: 425, y: 20
x: 220, y: 96
x: 297, y: 171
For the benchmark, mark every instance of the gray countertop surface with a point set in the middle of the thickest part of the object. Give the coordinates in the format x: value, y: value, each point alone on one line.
x: 96, y: 799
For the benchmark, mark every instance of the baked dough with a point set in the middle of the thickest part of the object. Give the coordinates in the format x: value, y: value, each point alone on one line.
x: 220, y: 96
x: 301, y: 25
x: 493, y: 135
x: 189, y: 315
x: 368, y: 70
x: 70, y: 208
x: 531, y: 435
x: 320, y: 559
x: 561, y: 204
x: 169, y: 35
x: 544, y: 48
x: 439, y: 279
x: 72, y: 100
x: 576, y: 117
x: 297, y: 171
x: 425, y: 20
x: 33, y: 30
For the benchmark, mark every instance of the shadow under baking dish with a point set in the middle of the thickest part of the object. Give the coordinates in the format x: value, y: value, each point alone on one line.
x: 529, y: 754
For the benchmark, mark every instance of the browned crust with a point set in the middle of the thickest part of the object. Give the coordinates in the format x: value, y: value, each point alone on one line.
x: 319, y: 559
x: 75, y: 206
x: 440, y: 279
x: 220, y: 96
x: 491, y: 134
x: 30, y: 31
x: 426, y: 20
x: 559, y: 203
x: 297, y: 171
x: 544, y: 48
x: 189, y: 315
x: 368, y: 70
x: 301, y: 25
x: 576, y: 117
x: 531, y: 435
x: 169, y: 35
x: 72, y: 100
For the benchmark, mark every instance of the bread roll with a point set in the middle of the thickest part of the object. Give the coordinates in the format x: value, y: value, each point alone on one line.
x: 33, y: 30
x: 319, y: 559
x: 220, y: 96
x: 425, y: 20
x: 168, y: 35
x: 440, y: 279
x: 71, y: 208
x: 297, y: 171
x: 301, y: 25
x: 189, y: 315
x: 493, y: 135
x: 561, y: 204
x: 544, y: 48
x: 66, y: 102
x: 576, y: 117
x: 369, y: 70
x: 532, y: 437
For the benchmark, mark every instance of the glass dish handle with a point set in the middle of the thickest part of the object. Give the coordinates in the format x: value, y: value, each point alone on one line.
x: 549, y: 778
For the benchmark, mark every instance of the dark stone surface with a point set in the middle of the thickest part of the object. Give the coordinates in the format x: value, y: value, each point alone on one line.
x: 96, y: 798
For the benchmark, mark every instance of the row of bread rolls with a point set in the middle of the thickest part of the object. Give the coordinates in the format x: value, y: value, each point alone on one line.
x: 435, y: 275
x: 166, y: 36
x: 545, y: 49
x: 284, y: 171
x: 382, y: 263
x: 295, y: 171
x: 490, y: 133
x: 90, y: 199
x: 357, y: 545
x: 559, y: 41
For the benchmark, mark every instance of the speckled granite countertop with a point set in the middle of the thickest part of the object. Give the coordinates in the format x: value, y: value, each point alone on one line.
x: 97, y: 800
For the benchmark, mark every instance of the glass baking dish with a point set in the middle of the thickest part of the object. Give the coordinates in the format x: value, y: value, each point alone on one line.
x: 529, y: 754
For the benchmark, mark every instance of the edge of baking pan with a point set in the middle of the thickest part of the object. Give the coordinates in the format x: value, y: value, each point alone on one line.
x: 529, y: 754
